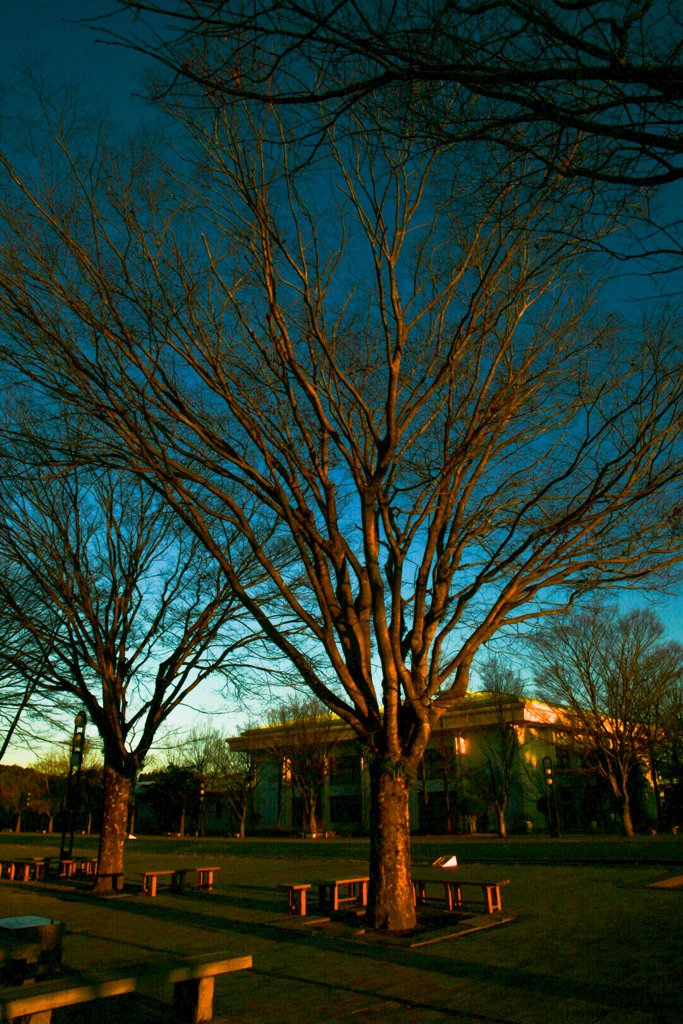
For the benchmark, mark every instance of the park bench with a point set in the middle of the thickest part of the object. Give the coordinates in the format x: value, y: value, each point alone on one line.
x: 86, y: 865
x: 192, y: 980
x: 116, y: 879
x: 489, y: 901
x: 296, y: 897
x: 178, y: 875
x: 333, y: 891
x: 149, y: 880
x: 8, y: 869
x: 67, y: 867
x: 22, y: 870
x: 204, y: 878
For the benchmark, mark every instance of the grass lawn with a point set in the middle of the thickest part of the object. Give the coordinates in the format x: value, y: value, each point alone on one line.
x: 590, y: 942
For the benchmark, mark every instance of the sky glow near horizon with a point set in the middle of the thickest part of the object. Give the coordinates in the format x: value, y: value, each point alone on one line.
x: 39, y: 34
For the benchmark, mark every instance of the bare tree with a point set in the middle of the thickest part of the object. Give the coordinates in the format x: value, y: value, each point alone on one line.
x: 491, y: 779
x: 611, y: 672
x: 670, y: 755
x: 240, y: 774
x: 301, y: 740
x: 589, y: 89
x: 414, y: 391
x: 234, y: 773
x: 125, y: 613
x: 26, y: 712
x: 53, y: 767
x: 205, y: 752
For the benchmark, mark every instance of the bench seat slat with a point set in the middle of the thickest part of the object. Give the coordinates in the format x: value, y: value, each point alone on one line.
x: 240, y: 963
x: 58, y: 993
x: 54, y: 1000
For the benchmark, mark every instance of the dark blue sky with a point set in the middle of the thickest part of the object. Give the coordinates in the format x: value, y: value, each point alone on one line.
x: 47, y: 31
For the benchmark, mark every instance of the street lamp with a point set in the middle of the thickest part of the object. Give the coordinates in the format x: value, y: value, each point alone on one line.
x: 551, y: 799
x: 73, y: 784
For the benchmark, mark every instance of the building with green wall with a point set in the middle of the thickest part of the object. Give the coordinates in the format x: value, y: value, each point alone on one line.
x: 491, y: 744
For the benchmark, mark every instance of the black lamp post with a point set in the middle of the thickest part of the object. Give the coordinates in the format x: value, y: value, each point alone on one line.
x: 201, y: 808
x: 551, y: 799
x: 73, y: 784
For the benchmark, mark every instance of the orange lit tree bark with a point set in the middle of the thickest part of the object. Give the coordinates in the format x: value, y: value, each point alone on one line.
x: 398, y: 370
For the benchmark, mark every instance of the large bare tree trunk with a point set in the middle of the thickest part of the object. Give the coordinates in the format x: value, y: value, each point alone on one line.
x: 113, y: 832
x: 390, y: 900
x: 502, y: 827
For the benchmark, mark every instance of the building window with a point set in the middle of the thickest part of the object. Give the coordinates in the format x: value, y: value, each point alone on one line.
x: 345, y: 771
x: 345, y: 810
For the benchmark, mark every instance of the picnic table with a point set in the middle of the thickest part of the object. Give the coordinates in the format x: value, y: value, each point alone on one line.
x: 453, y: 885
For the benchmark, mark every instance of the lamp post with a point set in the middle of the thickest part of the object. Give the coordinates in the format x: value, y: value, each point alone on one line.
x: 201, y: 808
x: 551, y: 799
x: 73, y: 784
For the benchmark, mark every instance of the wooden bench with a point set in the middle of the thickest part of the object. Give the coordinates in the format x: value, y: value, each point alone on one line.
x: 116, y: 879
x: 67, y: 867
x: 22, y: 870
x: 8, y: 869
x: 149, y: 880
x: 490, y: 900
x: 86, y: 865
x: 192, y: 980
x: 296, y: 897
x: 329, y: 896
x: 204, y: 879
